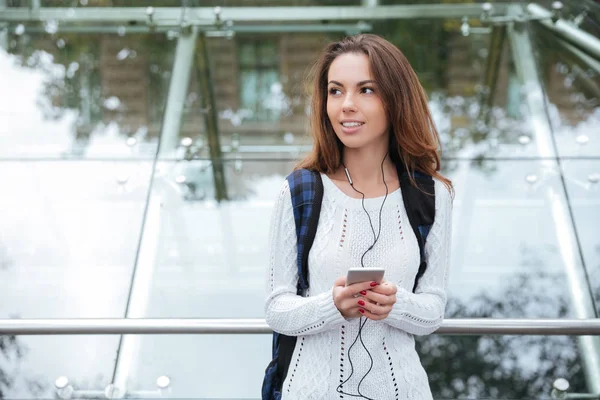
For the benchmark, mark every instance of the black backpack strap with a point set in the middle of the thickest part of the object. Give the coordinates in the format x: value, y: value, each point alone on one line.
x: 419, y: 203
x: 306, y: 189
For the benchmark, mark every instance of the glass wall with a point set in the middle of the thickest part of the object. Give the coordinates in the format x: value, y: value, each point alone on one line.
x: 107, y: 216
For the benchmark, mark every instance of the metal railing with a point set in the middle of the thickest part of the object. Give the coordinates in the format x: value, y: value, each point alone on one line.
x: 146, y: 326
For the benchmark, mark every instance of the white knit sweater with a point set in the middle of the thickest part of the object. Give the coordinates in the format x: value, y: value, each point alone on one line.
x: 321, y: 361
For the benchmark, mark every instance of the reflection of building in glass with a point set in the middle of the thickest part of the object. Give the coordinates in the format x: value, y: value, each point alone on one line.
x: 259, y: 78
x: 260, y: 81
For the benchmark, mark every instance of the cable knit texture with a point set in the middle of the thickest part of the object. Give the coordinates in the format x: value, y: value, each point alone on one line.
x: 323, y: 352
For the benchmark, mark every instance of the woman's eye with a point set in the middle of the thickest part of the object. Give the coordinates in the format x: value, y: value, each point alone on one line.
x: 334, y: 91
x: 368, y: 90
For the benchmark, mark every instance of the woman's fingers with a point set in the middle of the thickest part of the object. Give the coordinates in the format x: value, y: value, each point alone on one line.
x: 374, y: 311
x: 349, y: 308
x: 362, y: 299
x: 374, y: 317
x: 352, y: 307
x: 379, y: 298
x: 357, y: 289
x: 378, y: 302
x: 386, y: 288
x: 345, y: 297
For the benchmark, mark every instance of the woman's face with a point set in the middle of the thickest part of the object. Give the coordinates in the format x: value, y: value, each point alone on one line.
x: 354, y: 107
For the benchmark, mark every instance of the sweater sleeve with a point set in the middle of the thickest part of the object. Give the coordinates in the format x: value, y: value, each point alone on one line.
x: 422, y: 312
x: 285, y: 311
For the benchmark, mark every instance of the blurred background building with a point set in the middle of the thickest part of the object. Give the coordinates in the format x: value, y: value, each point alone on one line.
x: 142, y: 145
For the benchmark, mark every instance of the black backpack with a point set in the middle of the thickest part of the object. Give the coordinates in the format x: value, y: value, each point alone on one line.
x: 306, y: 188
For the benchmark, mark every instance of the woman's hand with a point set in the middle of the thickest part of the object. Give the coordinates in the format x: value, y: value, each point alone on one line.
x: 378, y: 301
x: 348, y: 299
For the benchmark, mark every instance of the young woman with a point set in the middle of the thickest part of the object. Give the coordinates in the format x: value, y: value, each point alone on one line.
x: 369, y: 115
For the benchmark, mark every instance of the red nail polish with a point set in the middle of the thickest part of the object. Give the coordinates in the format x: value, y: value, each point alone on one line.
x: 361, y: 303
x: 373, y: 284
x: 363, y: 292
x: 361, y: 310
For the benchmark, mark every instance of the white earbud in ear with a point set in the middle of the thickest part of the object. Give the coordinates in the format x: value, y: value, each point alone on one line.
x: 348, y: 175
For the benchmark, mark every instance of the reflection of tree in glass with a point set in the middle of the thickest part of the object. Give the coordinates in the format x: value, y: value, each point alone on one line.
x: 452, y: 69
x: 476, y: 139
x: 507, y: 367
x: 11, y: 351
x: 573, y: 85
x: 82, y: 72
x: 69, y: 65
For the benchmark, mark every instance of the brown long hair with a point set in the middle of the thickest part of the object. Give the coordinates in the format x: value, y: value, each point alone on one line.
x: 414, y: 140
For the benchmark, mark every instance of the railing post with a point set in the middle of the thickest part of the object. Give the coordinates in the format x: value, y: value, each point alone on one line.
x: 567, y: 30
x: 139, y: 295
x: 178, y: 88
x: 211, y: 120
x: 496, y: 49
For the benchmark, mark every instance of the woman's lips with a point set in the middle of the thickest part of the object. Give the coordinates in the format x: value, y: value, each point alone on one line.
x: 351, y: 129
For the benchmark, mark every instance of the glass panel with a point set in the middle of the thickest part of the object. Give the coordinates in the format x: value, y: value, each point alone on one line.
x: 30, y: 366
x: 573, y: 89
x: 82, y: 94
x: 192, y: 262
x: 475, y: 367
x: 468, y: 72
x: 103, y: 95
x: 499, y: 367
x: 195, y: 267
x: 477, y: 118
x: 500, y: 204
x: 511, y: 197
x: 192, y: 3
x: 204, y: 367
x: 228, y: 3
x: 459, y: 367
x: 453, y: 75
x: 582, y: 180
x: 70, y: 237
x: 261, y: 111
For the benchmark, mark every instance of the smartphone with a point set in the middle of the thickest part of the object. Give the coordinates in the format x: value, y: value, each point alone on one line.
x: 357, y: 275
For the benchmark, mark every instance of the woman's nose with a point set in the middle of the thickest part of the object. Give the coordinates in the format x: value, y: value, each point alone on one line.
x: 348, y: 104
